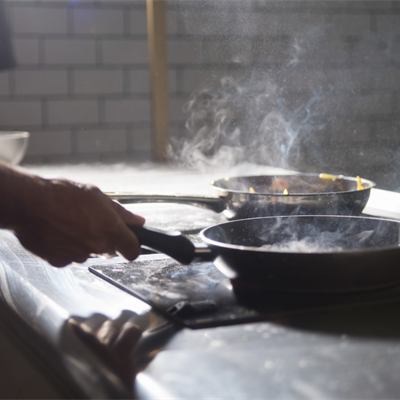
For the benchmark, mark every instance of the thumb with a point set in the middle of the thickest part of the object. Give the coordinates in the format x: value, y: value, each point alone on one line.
x: 127, y: 216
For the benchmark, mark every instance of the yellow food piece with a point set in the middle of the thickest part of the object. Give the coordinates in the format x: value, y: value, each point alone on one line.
x: 327, y: 176
x: 359, y: 184
x: 279, y: 184
x: 285, y: 192
x: 251, y: 190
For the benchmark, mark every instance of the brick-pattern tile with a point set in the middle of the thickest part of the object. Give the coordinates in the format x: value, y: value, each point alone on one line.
x: 4, y: 83
x: 26, y: 51
x: 176, y: 109
x: 138, y: 22
x: 83, y: 72
x: 172, y: 22
x: 39, y: 19
x: 194, y: 79
x: 366, y: 5
x: 18, y: 114
x: 388, y: 24
x: 70, y: 51
x: 208, y: 23
x: 342, y: 79
x: 351, y: 24
x: 98, y: 81
x: 95, y: 21
x: 139, y: 140
x: 184, y: 51
x: 139, y: 81
x: 221, y: 51
x: 73, y: 112
x: 40, y: 82
x: 127, y: 111
x: 101, y: 141
x: 126, y: 52
x: 55, y: 143
x: 275, y: 52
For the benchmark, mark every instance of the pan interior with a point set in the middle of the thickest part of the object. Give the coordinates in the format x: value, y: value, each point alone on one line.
x: 293, y: 184
x: 305, y: 234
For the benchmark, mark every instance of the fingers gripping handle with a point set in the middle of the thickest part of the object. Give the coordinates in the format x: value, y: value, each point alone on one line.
x: 174, y: 244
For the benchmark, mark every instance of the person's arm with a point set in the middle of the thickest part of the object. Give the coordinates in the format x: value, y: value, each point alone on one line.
x: 62, y: 221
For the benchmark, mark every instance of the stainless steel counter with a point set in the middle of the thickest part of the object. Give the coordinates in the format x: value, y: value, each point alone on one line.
x: 346, y: 353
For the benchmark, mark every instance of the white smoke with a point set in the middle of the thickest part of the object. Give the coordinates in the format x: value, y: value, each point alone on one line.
x: 250, y: 121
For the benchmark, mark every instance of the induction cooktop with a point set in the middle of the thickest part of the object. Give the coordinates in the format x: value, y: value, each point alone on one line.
x: 198, y: 295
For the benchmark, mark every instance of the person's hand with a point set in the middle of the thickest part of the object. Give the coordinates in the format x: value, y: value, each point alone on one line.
x: 62, y: 222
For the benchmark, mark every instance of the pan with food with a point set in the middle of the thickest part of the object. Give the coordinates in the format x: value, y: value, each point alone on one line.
x: 319, y: 254
x: 259, y: 196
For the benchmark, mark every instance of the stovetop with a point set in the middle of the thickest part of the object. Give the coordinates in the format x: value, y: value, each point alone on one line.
x: 199, y: 296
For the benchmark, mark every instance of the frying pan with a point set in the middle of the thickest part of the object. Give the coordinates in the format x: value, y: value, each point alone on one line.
x: 259, y: 196
x: 353, y: 253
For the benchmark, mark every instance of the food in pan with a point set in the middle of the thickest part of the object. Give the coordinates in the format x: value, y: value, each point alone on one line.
x: 359, y: 184
x: 326, y: 183
x: 279, y: 185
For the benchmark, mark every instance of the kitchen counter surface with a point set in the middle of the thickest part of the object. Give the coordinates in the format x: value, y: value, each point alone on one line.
x: 342, y: 353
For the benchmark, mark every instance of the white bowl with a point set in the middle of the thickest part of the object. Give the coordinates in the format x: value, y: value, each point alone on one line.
x: 13, y: 146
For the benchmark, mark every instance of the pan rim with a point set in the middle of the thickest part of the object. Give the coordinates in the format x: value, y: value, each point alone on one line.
x: 292, y: 253
x: 349, y: 178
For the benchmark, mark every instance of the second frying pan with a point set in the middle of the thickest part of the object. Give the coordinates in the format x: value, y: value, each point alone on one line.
x: 259, y: 196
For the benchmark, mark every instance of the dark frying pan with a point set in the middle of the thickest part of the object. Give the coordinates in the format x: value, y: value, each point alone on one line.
x: 353, y: 253
x: 259, y: 196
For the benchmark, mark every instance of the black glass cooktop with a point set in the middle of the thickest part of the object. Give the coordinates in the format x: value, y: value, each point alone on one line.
x: 198, y: 295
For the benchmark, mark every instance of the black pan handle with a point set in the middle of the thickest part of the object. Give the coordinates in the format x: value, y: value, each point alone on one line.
x: 173, y: 244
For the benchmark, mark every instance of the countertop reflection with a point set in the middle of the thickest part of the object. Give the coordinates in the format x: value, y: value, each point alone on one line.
x: 341, y: 354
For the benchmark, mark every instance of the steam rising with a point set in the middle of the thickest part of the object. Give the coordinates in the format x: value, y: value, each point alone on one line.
x: 297, y: 91
x: 236, y: 122
x: 261, y: 118
x: 286, y: 235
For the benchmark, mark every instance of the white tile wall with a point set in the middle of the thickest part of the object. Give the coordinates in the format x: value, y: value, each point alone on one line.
x: 219, y: 51
x: 78, y: 111
x: 101, y: 141
x: 26, y: 51
x: 4, y: 83
x: 139, y: 81
x: 124, y: 52
x: 194, y: 79
x: 140, y: 140
x: 184, y: 51
x: 98, y: 21
x: 40, y: 82
x: 176, y: 109
x: 69, y: 52
x: 83, y: 68
x: 388, y: 24
x: 14, y: 113
x: 100, y: 81
x: 384, y: 5
x: 127, y: 111
x: 351, y: 24
x: 33, y: 20
x: 138, y: 22
x: 56, y: 142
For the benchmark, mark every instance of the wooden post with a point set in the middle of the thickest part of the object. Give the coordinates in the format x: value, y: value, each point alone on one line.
x: 157, y: 32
